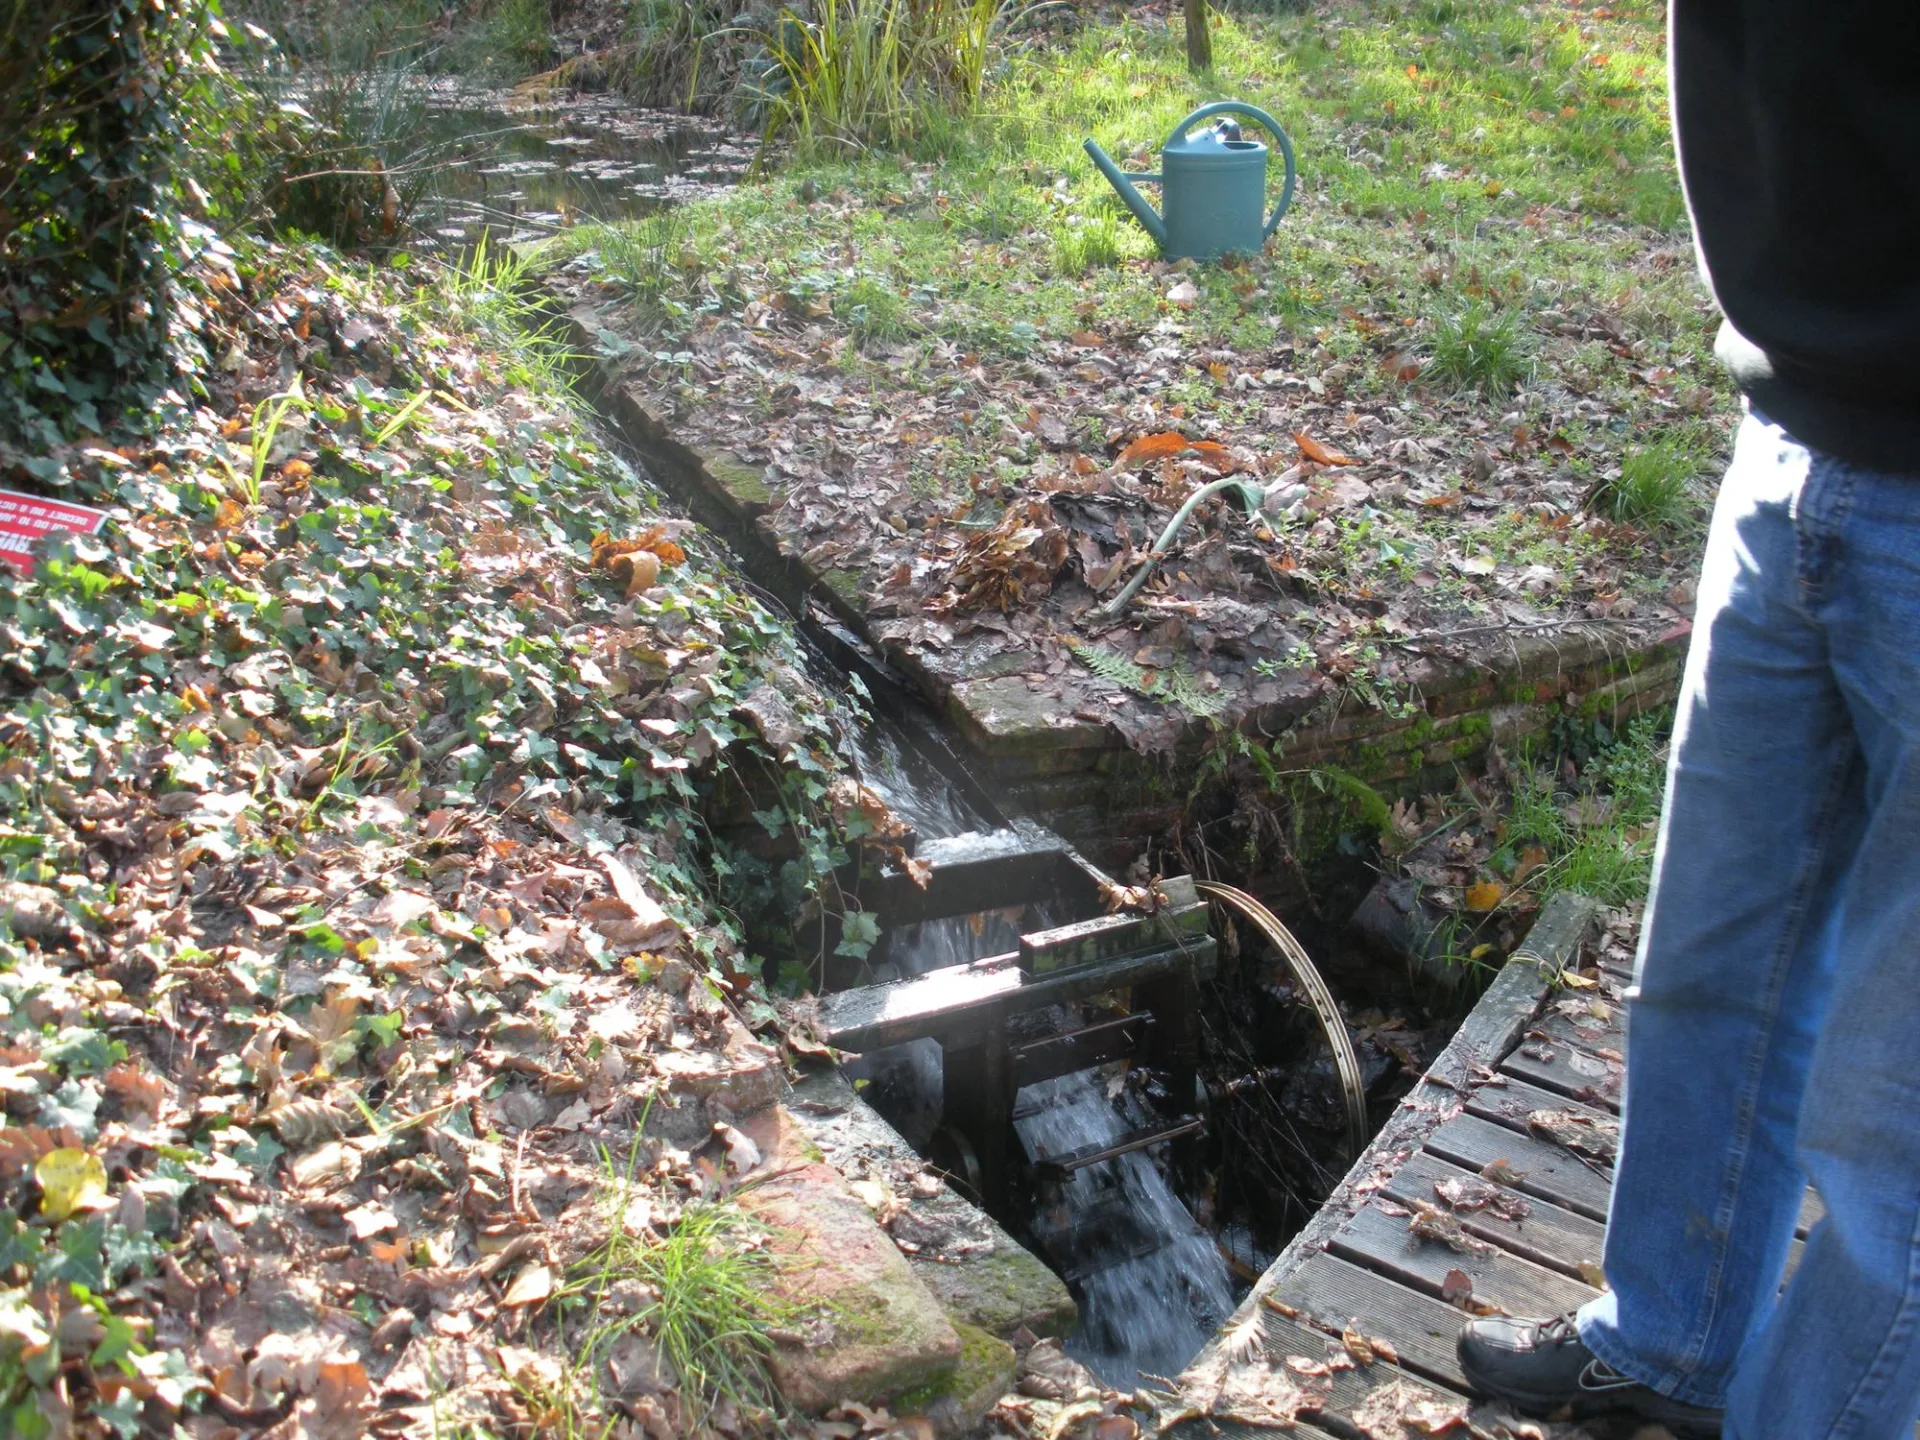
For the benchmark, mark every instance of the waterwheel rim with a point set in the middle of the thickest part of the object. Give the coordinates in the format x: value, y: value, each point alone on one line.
x: 1346, y: 1061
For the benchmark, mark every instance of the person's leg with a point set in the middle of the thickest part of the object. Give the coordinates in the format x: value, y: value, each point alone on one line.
x: 1762, y: 818
x: 1839, y: 1358
x: 1760, y: 825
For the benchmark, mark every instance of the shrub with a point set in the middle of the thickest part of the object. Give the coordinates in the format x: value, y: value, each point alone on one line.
x: 90, y: 138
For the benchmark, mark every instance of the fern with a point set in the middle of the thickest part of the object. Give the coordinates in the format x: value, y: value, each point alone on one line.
x: 1176, y: 685
x: 1114, y: 669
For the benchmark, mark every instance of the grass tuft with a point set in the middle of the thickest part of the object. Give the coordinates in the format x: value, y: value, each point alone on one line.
x: 873, y: 311
x: 1599, y: 838
x: 1092, y: 245
x: 1480, y: 347
x: 1654, y: 486
x: 709, y: 1302
x: 848, y: 74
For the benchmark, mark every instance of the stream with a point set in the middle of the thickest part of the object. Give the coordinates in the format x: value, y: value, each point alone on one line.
x: 1151, y: 1283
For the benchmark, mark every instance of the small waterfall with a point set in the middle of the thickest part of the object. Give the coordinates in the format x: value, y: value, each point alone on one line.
x: 1151, y: 1282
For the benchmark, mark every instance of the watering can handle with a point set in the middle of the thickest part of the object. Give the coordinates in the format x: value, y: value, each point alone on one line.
x: 1238, y: 107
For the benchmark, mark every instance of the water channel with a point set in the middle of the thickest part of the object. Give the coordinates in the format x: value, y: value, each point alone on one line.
x: 1150, y: 1280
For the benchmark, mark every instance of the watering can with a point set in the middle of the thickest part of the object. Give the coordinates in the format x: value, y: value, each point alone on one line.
x: 1213, y: 186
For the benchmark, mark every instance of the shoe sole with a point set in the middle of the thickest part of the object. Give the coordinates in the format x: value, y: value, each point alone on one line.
x: 1590, y: 1407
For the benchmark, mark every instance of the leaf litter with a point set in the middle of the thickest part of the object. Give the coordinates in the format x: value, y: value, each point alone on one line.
x: 360, y: 914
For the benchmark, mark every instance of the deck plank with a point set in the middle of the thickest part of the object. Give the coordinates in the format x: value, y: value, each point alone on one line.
x: 1546, y: 1234
x: 1542, y: 1170
x: 1385, y: 1243
x: 1336, y: 1293
x: 1582, y: 1064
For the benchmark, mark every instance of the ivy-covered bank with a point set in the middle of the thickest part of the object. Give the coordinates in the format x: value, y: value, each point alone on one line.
x: 360, y: 909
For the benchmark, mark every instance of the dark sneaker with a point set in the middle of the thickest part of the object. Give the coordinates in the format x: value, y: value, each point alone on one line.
x: 1543, y: 1366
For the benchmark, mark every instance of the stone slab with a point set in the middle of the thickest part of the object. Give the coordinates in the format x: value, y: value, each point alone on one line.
x: 979, y: 1273
x: 886, y: 1335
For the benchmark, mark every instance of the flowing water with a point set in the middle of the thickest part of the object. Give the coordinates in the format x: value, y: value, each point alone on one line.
x: 1151, y: 1282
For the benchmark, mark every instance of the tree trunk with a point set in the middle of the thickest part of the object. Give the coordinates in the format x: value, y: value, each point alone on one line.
x: 1199, y: 37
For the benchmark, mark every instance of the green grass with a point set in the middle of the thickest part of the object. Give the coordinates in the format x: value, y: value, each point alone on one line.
x: 1091, y: 244
x: 1654, y: 486
x: 1477, y: 346
x: 1598, y: 833
x: 1477, y: 216
x: 710, y: 1304
x: 845, y: 74
x: 1452, y: 161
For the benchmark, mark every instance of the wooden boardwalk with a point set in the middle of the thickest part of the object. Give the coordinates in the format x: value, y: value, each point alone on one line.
x: 1487, y: 1188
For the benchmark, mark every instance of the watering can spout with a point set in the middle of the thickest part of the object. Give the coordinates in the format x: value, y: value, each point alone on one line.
x: 1136, y: 202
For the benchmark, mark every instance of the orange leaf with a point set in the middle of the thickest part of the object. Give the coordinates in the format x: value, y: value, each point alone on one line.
x: 606, y: 550
x: 1532, y: 857
x: 1485, y: 895
x: 1213, y: 452
x: 1318, y: 453
x: 1153, y: 447
x: 295, y: 470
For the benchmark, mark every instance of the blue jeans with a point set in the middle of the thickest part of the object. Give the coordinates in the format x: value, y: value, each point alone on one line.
x: 1775, y: 1018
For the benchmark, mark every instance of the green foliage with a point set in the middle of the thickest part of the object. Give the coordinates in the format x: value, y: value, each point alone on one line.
x: 686, y: 53
x: 1176, y: 685
x: 1597, y: 834
x: 872, y: 310
x: 1654, y: 486
x: 1091, y: 245
x: 91, y: 133
x: 711, y: 1301
x: 843, y: 74
x: 1479, y: 346
x: 518, y: 35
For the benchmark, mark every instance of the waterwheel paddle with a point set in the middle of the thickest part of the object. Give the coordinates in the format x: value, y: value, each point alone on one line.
x: 1345, y: 1062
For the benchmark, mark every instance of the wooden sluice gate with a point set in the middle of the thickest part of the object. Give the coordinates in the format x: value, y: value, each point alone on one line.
x: 1158, y: 960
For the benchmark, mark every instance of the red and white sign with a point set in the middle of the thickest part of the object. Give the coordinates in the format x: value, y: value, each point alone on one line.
x: 25, y: 518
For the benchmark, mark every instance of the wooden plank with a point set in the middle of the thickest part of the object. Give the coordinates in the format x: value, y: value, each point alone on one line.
x: 979, y: 870
x: 1559, y: 1056
x: 1334, y: 1398
x: 1546, y: 1234
x: 1080, y: 1049
x: 1335, y: 1293
x: 1384, y: 1243
x: 971, y: 997
x: 1542, y: 1170
x: 1087, y: 942
x: 1812, y: 1211
x: 1509, y: 1104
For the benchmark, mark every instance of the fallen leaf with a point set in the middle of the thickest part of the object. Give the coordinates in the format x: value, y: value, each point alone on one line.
x: 530, y: 1287
x: 1485, y: 896
x: 70, y: 1180
x: 1456, y: 1288
x: 1185, y: 294
x: 1151, y: 447
x: 1313, y: 450
x: 370, y: 1219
